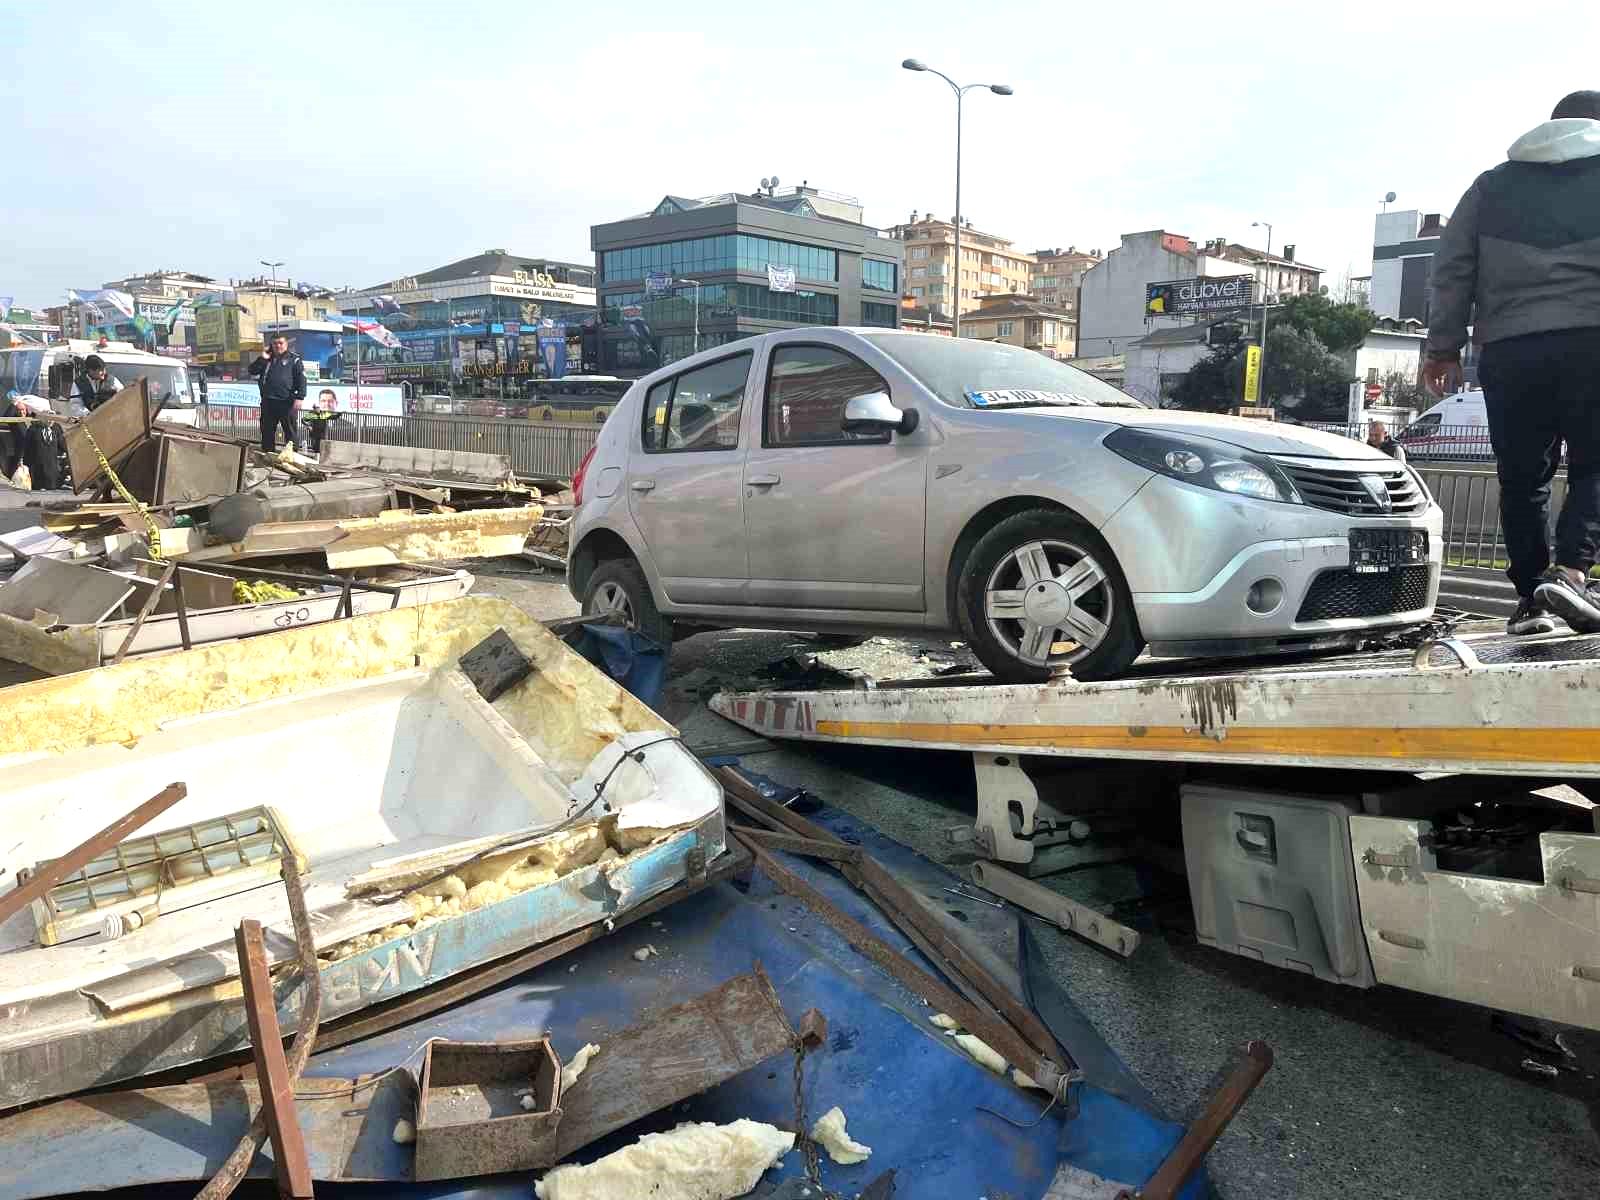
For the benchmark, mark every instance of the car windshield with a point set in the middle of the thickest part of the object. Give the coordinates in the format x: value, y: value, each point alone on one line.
x: 168, y: 381
x: 974, y: 374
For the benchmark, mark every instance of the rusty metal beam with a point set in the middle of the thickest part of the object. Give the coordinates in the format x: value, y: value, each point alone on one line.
x: 898, y: 904
x: 277, y: 1092
x: 51, y: 873
x: 234, y: 1167
x: 1203, y: 1133
x: 1006, y: 1041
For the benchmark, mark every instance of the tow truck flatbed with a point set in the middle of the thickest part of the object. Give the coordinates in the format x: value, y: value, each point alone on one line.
x: 1477, y: 702
x: 1305, y: 871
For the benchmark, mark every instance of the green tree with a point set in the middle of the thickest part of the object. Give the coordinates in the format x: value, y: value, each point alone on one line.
x: 1339, y: 327
x: 1304, y: 377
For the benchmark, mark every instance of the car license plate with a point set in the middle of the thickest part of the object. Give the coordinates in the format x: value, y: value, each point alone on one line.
x: 1374, y: 551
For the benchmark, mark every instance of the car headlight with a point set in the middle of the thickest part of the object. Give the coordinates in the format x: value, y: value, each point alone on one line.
x: 1205, y: 463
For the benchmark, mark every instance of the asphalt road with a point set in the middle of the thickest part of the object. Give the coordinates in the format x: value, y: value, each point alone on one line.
x: 1375, y: 1093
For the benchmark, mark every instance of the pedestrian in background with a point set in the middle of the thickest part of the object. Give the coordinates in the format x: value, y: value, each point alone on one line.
x: 1378, y: 438
x: 282, y: 378
x: 1520, y: 263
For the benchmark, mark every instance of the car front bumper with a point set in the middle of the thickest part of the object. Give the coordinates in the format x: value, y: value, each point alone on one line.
x: 1305, y: 591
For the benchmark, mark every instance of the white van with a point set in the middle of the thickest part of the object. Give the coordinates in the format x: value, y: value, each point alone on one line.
x: 50, y: 372
x: 1455, y: 428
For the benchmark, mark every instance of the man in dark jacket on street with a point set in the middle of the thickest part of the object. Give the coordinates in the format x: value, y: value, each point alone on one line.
x: 1520, y: 263
x: 282, y: 377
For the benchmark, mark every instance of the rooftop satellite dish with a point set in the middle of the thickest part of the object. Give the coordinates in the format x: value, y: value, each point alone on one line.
x: 765, y: 182
x: 1388, y: 198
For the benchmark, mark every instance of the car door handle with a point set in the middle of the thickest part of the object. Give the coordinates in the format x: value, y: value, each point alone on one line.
x: 643, y: 485
x: 763, y: 480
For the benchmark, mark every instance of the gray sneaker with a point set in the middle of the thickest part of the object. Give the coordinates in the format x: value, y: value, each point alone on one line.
x: 1530, y: 618
x: 1578, y: 606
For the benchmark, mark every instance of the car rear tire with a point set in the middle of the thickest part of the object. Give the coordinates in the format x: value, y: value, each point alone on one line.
x: 1042, y: 594
x: 618, y: 586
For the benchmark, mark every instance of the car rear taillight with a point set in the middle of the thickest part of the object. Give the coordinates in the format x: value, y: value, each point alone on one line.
x: 577, y: 476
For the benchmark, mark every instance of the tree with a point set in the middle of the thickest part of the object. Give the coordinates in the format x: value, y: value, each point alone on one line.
x: 1216, y: 382
x: 1307, y: 379
x: 1303, y: 377
x: 1402, y: 390
x: 1339, y: 327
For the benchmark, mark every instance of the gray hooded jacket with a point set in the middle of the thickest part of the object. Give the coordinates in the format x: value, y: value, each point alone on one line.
x: 1522, y: 251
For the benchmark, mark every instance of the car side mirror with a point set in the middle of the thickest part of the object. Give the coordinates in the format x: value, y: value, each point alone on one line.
x: 875, y: 412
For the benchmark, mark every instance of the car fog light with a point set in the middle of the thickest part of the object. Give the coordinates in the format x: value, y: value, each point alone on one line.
x: 1264, y: 596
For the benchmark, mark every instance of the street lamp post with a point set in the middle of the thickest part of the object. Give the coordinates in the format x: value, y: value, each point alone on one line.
x: 1266, y: 300
x: 999, y: 89
x: 277, y: 311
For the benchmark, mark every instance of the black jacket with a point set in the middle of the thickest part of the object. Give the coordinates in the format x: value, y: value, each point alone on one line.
x: 1521, y: 254
x: 275, y: 390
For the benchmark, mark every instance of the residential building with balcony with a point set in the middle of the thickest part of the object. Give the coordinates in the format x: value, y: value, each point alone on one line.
x: 990, y: 265
x: 702, y: 272
x: 1057, y: 274
x: 1021, y: 320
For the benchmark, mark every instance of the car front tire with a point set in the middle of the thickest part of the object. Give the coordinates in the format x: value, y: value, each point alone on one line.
x: 1042, y: 594
x: 618, y: 586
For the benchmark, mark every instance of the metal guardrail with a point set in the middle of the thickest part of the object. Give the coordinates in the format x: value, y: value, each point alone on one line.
x: 1430, y: 443
x: 535, y: 448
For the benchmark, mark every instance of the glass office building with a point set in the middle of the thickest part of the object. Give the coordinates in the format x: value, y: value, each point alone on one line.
x: 705, y: 272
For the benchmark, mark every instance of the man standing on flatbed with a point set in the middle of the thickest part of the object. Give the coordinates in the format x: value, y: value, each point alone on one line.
x: 1520, y: 263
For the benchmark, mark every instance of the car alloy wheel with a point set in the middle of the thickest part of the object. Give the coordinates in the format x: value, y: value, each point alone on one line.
x: 612, y: 599
x: 1049, y: 603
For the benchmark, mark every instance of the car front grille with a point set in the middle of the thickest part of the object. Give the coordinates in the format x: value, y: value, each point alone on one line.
x: 1342, y: 491
x: 1342, y: 593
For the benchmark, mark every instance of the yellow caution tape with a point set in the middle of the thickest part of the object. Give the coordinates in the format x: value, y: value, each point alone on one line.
x: 122, y: 490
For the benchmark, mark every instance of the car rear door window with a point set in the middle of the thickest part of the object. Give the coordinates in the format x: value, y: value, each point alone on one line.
x: 698, y: 410
x: 807, y: 389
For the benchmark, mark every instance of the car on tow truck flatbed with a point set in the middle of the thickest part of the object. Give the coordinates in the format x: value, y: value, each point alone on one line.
x: 872, y: 480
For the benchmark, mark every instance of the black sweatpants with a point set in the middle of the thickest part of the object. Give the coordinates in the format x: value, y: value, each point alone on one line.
x: 273, y: 415
x: 1539, y: 391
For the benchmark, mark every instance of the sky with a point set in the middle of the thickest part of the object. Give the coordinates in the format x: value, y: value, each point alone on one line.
x: 359, y: 142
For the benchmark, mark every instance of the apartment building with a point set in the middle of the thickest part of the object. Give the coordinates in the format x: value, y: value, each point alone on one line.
x: 1057, y: 274
x: 990, y: 265
x: 1022, y: 321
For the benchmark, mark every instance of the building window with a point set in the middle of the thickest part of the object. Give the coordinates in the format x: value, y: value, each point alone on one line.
x: 917, y: 292
x: 1005, y: 329
x: 918, y: 272
x: 698, y: 410
x: 1050, y: 331
x: 919, y: 252
x: 726, y: 252
x: 881, y: 315
x: 673, y: 346
x: 878, y: 275
x: 807, y: 389
x: 289, y: 310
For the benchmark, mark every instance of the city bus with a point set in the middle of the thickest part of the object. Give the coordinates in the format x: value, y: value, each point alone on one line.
x: 574, y: 399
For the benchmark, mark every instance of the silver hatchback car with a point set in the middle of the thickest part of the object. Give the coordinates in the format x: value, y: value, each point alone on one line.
x: 864, y: 480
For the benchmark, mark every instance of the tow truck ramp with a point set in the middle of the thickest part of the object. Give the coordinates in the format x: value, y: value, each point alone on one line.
x: 1348, y: 887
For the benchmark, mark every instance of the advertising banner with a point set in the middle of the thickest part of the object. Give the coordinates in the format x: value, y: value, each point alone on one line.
x: 1200, y: 296
x: 657, y: 283
x: 1252, y: 374
x: 553, y: 350
x: 332, y: 397
x: 780, y: 279
x: 216, y: 328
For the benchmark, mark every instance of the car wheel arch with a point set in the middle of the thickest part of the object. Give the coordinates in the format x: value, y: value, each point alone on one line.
x: 980, y: 523
x: 598, y: 546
